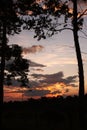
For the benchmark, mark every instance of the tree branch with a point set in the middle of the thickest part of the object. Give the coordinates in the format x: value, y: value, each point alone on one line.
x: 82, y: 14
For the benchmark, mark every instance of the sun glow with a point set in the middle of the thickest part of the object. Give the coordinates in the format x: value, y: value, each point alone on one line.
x: 13, y: 93
x: 55, y: 89
x: 19, y: 94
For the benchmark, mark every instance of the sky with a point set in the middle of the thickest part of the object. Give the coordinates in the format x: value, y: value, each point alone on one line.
x: 53, y: 67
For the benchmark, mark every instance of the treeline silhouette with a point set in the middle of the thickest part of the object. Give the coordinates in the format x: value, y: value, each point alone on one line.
x: 56, y: 113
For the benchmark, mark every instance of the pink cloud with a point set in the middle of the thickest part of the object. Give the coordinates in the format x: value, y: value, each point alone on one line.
x: 33, y: 49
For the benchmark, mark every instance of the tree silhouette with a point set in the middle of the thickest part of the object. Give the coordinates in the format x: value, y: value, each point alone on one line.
x: 44, y: 19
x: 10, y: 24
x: 80, y: 63
x: 78, y: 21
x: 16, y: 67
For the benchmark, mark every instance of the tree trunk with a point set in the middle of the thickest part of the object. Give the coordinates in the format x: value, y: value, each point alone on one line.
x: 3, y: 45
x: 80, y: 66
x: 78, y: 52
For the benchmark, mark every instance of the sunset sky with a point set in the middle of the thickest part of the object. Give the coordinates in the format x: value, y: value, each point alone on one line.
x: 53, y: 65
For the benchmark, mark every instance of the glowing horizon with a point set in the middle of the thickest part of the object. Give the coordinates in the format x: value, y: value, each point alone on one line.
x: 14, y: 93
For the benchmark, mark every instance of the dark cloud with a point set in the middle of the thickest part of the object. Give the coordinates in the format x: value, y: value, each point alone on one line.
x: 37, y: 69
x: 55, y: 78
x: 56, y: 92
x: 40, y: 83
x: 45, y: 80
x: 69, y: 80
x: 34, y: 93
x: 33, y: 49
x: 49, y: 78
x: 34, y: 64
x: 34, y: 84
x: 31, y: 64
x: 40, y: 70
x: 74, y: 85
x: 42, y: 80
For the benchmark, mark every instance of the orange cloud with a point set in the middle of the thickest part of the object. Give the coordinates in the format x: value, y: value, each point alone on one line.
x: 43, y: 85
x: 14, y: 93
x: 58, y: 89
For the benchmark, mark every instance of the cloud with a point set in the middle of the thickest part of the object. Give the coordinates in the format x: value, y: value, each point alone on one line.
x: 51, y: 77
x: 31, y: 64
x: 54, y: 78
x: 70, y: 80
x: 34, y: 64
x: 34, y: 93
x: 44, y: 80
x: 50, y: 84
x: 39, y: 70
x: 56, y: 92
x: 15, y: 89
x: 44, y: 85
x: 33, y: 49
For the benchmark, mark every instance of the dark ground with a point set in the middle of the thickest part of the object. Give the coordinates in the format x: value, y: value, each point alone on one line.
x: 44, y: 114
